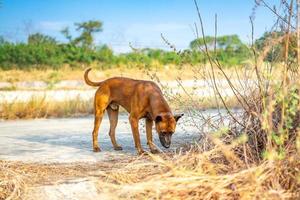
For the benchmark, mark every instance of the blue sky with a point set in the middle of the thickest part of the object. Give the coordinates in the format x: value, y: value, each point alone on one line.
x: 137, y: 21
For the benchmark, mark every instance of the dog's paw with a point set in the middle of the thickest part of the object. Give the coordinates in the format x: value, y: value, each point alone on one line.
x: 154, y: 151
x: 141, y: 152
x: 118, y: 148
x: 96, y: 149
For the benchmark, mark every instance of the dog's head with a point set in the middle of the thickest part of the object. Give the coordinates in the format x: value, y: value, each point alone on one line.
x: 165, y: 125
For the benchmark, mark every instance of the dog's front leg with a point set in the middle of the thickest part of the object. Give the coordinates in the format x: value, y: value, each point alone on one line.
x: 134, y: 122
x: 149, y: 124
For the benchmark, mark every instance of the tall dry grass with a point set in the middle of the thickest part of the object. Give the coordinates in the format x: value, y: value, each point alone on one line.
x: 193, y: 174
x: 207, y: 175
x: 186, y: 72
x: 40, y: 107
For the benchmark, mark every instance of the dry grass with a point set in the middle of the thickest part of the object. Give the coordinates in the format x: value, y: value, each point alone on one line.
x: 65, y: 73
x: 38, y: 107
x: 204, y: 176
x: 77, y: 74
x: 16, y: 177
x: 189, y: 175
x: 11, y: 183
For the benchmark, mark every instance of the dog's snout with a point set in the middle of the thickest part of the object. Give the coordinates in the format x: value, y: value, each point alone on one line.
x: 165, y: 139
x: 167, y: 146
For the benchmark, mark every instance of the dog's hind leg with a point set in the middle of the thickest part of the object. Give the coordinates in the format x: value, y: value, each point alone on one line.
x: 112, y: 112
x: 101, y: 102
x: 97, y: 122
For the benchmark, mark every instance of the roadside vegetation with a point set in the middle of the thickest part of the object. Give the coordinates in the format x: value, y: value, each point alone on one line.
x: 42, y: 51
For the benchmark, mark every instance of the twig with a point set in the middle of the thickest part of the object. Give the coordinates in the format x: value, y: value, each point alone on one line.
x: 277, y: 14
x: 211, y: 64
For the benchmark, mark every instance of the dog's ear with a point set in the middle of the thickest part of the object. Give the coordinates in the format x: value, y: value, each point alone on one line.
x: 178, y: 116
x: 158, y: 119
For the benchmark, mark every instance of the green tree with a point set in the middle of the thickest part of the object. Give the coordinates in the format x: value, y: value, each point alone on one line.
x: 276, y: 54
x: 87, y: 29
x: 230, y: 50
x: 222, y: 42
x: 38, y: 38
x: 2, y: 40
x: 199, y: 43
x: 66, y: 33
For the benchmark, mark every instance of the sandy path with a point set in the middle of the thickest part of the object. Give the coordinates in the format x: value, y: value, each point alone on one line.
x: 69, y: 140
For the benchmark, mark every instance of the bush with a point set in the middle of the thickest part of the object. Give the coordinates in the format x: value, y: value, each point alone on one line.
x: 43, y: 51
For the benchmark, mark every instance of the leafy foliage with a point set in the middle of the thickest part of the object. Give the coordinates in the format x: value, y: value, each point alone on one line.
x: 42, y: 51
x: 88, y: 28
x: 277, y: 51
x: 40, y: 39
x: 230, y: 50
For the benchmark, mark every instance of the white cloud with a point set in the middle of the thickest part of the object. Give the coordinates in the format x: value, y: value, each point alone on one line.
x: 140, y: 35
x: 143, y: 35
x: 150, y: 28
x: 53, y: 25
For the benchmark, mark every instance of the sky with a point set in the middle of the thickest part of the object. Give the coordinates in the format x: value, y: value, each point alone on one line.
x: 139, y: 22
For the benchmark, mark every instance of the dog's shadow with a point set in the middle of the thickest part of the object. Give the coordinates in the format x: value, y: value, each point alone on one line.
x: 82, y: 143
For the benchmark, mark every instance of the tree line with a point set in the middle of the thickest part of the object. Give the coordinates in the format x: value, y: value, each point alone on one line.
x: 42, y: 51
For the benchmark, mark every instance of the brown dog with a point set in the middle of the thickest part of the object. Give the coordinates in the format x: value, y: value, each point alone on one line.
x: 142, y: 99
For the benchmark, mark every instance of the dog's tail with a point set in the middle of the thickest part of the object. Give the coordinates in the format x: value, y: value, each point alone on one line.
x: 88, y: 81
